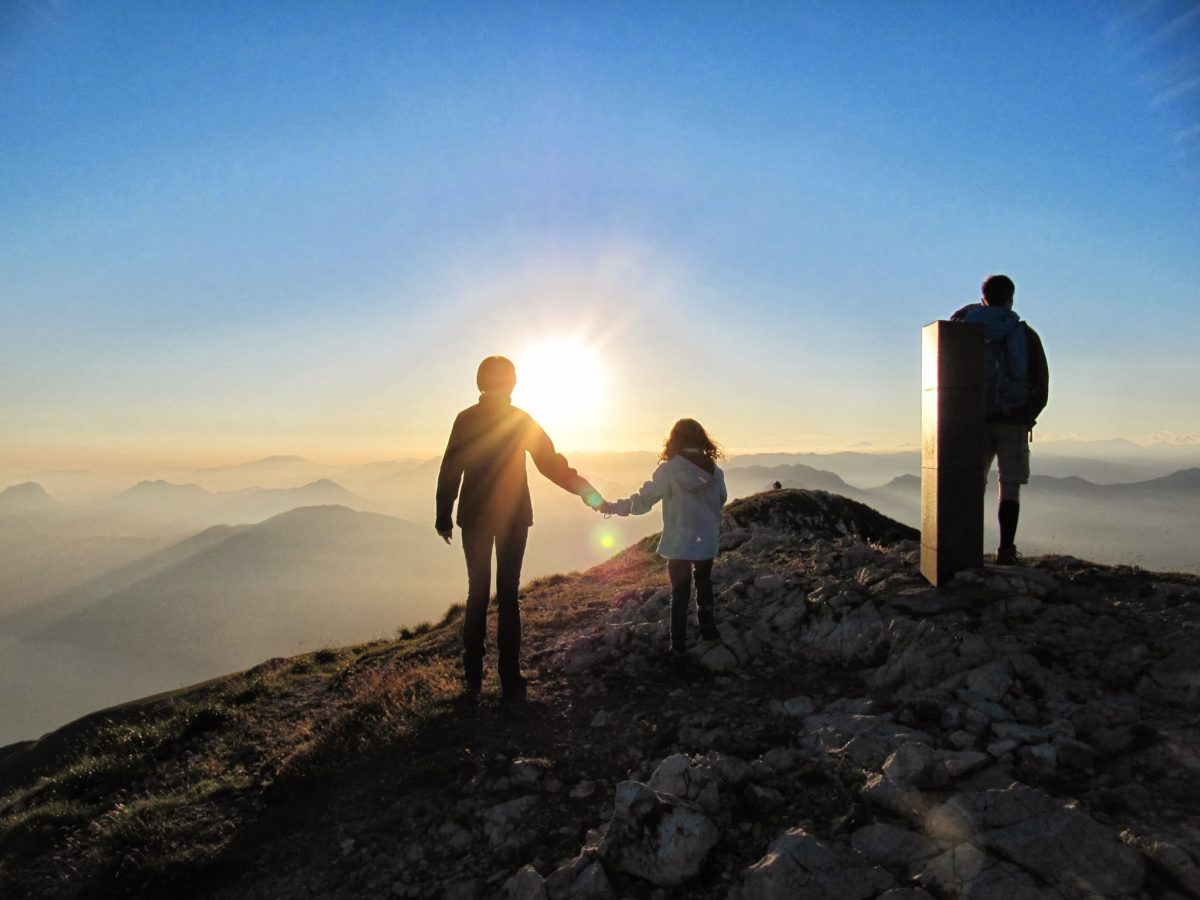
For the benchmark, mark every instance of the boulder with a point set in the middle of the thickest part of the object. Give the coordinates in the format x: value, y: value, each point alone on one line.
x: 798, y: 866
x: 526, y: 884
x: 719, y: 659
x: 583, y: 878
x: 799, y: 707
x: 678, y: 776
x: 659, y: 837
x: 499, y: 821
x: 853, y: 637
x: 914, y: 763
x: 865, y: 739
x: 965, y: 871
x: 993, y: 680
x: 892, y: 846
x: 730, y: 769
x: 1063, y: 846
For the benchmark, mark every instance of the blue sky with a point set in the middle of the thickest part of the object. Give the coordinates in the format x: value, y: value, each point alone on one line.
x: 231, y: 229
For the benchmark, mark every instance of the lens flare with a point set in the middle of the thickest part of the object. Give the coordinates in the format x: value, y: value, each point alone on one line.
x: 608, y: 536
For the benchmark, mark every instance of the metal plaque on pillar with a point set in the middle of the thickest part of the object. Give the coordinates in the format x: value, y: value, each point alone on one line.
x: 952, y: 423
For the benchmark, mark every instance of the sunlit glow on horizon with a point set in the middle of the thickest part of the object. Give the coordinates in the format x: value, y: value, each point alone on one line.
x: 561, y: 382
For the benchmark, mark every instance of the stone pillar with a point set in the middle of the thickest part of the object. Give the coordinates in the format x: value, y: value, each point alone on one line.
x: 952, y: 413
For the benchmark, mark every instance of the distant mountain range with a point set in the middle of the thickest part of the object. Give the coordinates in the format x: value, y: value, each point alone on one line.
x: 28, y: 499
x: 189, y: 580
x: 155, y: 506
x: 1149, y: 523
x: 233, y: 594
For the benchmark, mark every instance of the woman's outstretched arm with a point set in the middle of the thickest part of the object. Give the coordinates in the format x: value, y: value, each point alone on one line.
x: 643, y: 501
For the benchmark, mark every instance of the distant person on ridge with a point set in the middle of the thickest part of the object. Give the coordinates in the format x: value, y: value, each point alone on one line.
x: 692, y: 489
x: 1017, y: 386
x: 486, y: 454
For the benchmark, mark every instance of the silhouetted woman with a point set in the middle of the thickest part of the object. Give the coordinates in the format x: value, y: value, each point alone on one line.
x: 692, y: 489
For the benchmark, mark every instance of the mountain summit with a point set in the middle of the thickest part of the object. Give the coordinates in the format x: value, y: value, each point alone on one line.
x: 29, y: 498
x: 1025, y: 732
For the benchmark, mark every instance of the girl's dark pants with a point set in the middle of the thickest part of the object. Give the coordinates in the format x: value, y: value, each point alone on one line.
x: 510, y: 553
x: 680, y: 571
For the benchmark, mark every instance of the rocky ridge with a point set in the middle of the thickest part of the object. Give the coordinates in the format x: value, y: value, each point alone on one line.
x: 1027, y: 732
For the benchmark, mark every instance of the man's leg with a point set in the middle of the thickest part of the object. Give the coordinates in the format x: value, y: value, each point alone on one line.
x: 705, y: 606
x: 1012, y: 460
x: 989, y: 454
x: 510, y: 554
x: 680, y: 572
x: 477, y: 547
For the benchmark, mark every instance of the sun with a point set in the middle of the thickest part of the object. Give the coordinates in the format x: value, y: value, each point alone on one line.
x: 561, y: 383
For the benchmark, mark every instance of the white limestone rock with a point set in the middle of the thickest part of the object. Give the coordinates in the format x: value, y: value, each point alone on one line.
x: 656, y: 836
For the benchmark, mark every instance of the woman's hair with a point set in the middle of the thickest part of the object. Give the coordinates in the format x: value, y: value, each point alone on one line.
x: 688, y: 434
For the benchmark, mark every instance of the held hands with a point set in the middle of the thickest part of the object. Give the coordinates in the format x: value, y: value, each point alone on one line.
x: 445, y: 534
x: 593, y: 500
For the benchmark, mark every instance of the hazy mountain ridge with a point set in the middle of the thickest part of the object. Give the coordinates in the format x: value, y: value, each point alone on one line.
x: 830, y: 746
x: 1150, y: 523
x: 28, y: 498
x: 231, y: 595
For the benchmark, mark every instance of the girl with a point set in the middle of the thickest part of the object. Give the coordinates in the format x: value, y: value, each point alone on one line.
x: 692, y: 489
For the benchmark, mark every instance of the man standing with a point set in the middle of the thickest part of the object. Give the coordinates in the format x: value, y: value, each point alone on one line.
x: 486, y: 454
x: 1017, y: 385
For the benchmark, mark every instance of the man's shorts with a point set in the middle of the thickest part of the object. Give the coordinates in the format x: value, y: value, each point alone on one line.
x: 1009, y: 446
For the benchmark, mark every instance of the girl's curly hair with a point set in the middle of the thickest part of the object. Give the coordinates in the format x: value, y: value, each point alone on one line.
x: 688, y: 434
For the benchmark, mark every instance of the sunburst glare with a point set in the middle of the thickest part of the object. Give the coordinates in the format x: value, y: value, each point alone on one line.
x: 562, y: 383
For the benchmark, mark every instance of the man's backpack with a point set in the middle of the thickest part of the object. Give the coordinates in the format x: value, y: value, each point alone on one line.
x: 1006, y: 361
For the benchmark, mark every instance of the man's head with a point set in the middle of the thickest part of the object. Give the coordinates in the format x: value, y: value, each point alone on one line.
x: 998, y: 290
x: 496, y: 375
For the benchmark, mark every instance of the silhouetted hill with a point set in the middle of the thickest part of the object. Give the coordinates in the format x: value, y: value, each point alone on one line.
x: 280, y: 470
x: 257, y: 504
x: 1024, y: 732
x: 78, y: 597
x: 231, y: 595
x: 854, y: 467
x: 158, y: 491
x: 1185, y: 480
x: 28, y: 499
x: 279, y: 459
x: 745, y: 480
x: 145, y: 507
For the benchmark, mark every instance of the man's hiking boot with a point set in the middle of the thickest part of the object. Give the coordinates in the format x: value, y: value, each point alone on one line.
x: 708, y: 631
x: 513, y: 691
x: 1008, y: 556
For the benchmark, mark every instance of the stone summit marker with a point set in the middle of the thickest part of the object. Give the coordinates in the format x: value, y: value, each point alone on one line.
x: 952, y: 414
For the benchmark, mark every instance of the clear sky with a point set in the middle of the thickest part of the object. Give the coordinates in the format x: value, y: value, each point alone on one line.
x: 235, y: 229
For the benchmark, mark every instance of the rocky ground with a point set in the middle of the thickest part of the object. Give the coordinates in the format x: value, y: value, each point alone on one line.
x: 1026, y: 732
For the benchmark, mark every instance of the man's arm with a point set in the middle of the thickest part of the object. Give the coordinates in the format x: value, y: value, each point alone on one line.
x: 553, y: 464
x: 961, y: 313
x: 449, y: 478
x: 1039, y: 376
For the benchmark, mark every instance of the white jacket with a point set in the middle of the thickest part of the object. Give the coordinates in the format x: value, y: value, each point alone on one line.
x: 692, y: 500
